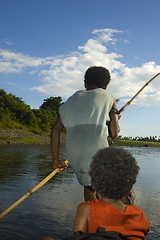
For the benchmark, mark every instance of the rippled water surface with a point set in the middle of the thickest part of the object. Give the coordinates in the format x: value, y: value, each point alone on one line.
x: 50, y: 211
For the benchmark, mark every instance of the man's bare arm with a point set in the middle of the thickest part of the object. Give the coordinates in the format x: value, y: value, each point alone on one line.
x: 113, y: 127
x: 55, y: 143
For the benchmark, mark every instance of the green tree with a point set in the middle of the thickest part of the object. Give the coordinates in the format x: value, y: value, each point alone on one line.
x: 2, y: 92
x: 15, y: 113
x: 5, y: 118
x: 52, y: 103
x: 45, y: 119
x: 13, y: 109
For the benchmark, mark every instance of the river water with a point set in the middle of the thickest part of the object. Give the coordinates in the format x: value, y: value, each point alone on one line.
x: 50, y: 211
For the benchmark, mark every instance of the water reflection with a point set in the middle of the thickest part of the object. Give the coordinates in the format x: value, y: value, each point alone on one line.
x: 50, y: 211
x: 148, y: 186
x: 10, y: 168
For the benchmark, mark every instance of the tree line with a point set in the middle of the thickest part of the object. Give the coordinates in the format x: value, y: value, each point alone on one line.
x: 14, y: 113
x: 145, y: 139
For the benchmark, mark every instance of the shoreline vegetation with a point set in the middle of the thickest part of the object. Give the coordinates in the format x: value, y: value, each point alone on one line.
x: 19, y: 124
x: 24, y: 136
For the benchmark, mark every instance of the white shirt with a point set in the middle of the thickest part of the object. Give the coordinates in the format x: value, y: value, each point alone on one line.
x: 84, y: 116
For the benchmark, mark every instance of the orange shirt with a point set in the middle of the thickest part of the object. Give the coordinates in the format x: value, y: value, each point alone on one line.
x: 132, y: 223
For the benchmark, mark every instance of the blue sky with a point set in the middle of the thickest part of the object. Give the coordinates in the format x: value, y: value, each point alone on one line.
x: 47, y: 45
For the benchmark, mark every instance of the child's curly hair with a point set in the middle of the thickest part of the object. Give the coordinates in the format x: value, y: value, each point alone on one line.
x: 113, y: 172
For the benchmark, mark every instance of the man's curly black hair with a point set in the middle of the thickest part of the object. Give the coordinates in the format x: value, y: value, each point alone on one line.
x: 97, y: 76
x: 113, y: 172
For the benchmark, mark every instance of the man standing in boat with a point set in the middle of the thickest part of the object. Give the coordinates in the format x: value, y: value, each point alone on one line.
x: 86, y: 115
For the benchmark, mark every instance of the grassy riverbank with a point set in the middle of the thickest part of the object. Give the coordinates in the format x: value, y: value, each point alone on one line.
x: 22, y: 136
x: 132, y: 143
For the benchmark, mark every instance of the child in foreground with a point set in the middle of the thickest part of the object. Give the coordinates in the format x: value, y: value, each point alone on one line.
x: 113, y: 173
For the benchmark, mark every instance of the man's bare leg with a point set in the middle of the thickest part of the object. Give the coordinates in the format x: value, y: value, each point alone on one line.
x: 89, y: 194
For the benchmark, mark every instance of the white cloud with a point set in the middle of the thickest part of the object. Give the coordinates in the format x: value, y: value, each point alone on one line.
x: 11, y: 62
x: 106, y: 35
x: 63, y: 75
x: 8, y: 42
x: 133, y: 79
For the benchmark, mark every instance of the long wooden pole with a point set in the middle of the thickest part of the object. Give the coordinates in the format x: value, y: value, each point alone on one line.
x: 14, y: 205
x: 138, y: 93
